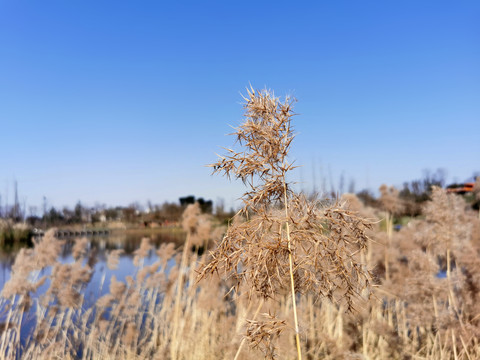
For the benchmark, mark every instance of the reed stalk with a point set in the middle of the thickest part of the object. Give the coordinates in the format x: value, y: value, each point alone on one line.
x: 292, y: 281
x: 178, y: 299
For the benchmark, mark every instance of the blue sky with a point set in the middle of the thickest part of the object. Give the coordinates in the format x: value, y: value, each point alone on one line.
x: 122, y: 101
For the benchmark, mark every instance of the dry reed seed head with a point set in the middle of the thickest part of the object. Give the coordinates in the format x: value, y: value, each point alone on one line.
x: 217, y: 233
x: 338, y: 250
x: 263, y: 333
x: 142, y: 275
x: 190, y: 216
x: 69, y: 297
x: 19, y: 282
x: 352, y: 201
x: 67, y: 281
x: 24, y: 263
x: 156, y: 281
x: 325, y: 242
x: 196, y: 225
x: 152, y: 269
x: 238, y: 219
x: 201, y: 234
x: 61, y: 274
x: 204, y: 230
x: 447, y: 226
x: 422, y: 264
x: 105, y: 301
x: 46, y: 250
x: 166, y: 252
x: 81, y: 275
x: 130, y: 281
x: 80, y: 248
x: 117, y: 288
x: 143, y: 251
x: 390, y: 200
x: 266, y: 136
x: 19, y: 285
x: 113, y: 258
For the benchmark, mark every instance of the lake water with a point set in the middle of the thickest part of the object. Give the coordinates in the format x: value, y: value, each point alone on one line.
x: 100, y: 246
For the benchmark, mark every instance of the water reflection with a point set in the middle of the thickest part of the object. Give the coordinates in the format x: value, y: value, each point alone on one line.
x: 99, y: 247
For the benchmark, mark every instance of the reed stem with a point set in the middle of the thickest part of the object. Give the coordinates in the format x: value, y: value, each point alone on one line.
x: 292, y: 282
x: 178, y: 299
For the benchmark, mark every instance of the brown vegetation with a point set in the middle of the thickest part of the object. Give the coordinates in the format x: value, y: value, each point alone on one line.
x: 288, y: 244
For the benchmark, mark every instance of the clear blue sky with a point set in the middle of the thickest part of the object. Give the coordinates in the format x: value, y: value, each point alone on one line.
x: 122, y: 101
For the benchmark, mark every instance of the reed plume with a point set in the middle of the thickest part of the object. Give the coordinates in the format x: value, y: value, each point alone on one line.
x: 392, y: 205
x: 288, y: 244
x: 113, y: 258
x: 80, y: 248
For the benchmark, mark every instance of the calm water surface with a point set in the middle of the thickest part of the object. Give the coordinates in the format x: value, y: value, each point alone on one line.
x: 99, y: 249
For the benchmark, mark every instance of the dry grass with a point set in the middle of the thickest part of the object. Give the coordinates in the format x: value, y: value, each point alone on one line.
x: 420, y: 316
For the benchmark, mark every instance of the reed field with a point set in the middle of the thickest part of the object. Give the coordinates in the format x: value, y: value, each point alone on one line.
x: 291, y: 276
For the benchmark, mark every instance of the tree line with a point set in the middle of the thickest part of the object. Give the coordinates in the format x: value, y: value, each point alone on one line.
x: 412, y: 193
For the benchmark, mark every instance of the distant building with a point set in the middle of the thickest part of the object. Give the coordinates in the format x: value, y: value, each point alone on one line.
x: 461, y: 188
